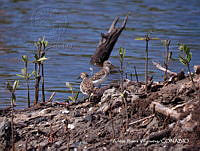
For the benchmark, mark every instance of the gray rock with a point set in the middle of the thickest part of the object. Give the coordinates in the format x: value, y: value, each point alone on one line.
x: 5, y: 134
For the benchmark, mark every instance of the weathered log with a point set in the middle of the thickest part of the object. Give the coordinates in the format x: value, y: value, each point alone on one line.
x: 107, y: 42
x: 159, y: 135
x: 165, y: 111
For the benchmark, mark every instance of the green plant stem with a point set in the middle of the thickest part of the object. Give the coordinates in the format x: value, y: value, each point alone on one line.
x: 136, y: 74
x: 12, y: 128
x: 146, y: 65
x: 36, y: 96
x: 126, y: 107
x: 43, y: 93
x: 28, y: 93
x: 167, y: 43
x: 27, y: 82
x: 121, y: 72
x: 37, y: 82
x: 12, y: 119
x: 191, y: 78
x: 12, y: 97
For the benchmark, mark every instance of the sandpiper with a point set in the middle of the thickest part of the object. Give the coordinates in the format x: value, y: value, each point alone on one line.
x: 86, y: 86
x: 101, y: 76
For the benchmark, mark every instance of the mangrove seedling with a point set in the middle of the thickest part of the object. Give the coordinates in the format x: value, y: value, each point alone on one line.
x: 12, y: 88
x: 24, y: 74
x: 122, y: 53
x: 147, y: 39
x: 41, y: 45
x: 185, y: 59
x: 166, y: 44
x: 73, y: 97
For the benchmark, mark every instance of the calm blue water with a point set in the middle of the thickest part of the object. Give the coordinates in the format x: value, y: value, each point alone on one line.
x: 73, y: 29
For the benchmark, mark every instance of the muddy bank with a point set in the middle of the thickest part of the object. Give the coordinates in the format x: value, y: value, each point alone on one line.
x: 166, y: 118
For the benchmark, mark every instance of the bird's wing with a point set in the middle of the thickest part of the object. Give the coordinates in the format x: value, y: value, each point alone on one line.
x: 98, y: 75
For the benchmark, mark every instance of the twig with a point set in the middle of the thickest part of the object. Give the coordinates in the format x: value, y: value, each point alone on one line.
x: 112, y: 122
x: 141, y: 120
x: 126, y: 108
x: 51, y: 97
x: 43, y: 92
x: 163, y: 69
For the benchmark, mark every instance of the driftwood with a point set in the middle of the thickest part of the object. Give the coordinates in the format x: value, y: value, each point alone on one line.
x: 164, y: 69
x: 107, y: 42
x: 165, y: 111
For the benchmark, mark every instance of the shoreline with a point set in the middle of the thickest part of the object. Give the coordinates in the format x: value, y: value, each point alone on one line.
x: 114, y: 123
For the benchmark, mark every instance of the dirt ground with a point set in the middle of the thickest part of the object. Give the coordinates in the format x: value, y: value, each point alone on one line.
x: 166, y: 118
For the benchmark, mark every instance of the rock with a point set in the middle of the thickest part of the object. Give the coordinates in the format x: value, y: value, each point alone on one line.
x: 76, y: 113
x: 180, y: 75
x: 104, y: 107
x: 71, y: 126
x: 107, y: 94
x: 65, y: 111
x: 134, y: 97
x: 5, y: 134
x: 197, y: 69
x: 45, y: 111
x: 188, y: 124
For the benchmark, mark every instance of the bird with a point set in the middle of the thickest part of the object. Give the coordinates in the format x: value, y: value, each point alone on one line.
x: 100, y: 77
x: 86, y: 86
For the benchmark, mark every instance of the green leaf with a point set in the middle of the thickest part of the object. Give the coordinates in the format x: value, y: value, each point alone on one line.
x: 154, y: 38
x: 25, y: 58
x: 183, y: 60
x: 189, y: 57
x: 15, y: 85
x: 45, y: 43
x: 76, y: 96
x: 42, y: 59
x: 23, y: 71
x: 181, y: 47
x: 33, y: 73
x: 122, y: 52
x: 71, y: 98
x: 140, y: 38
x: 19, y: 75
x: 28, y: 75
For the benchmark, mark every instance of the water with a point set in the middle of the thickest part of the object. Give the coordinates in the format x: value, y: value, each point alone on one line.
x: 74, y: 27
